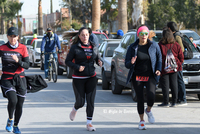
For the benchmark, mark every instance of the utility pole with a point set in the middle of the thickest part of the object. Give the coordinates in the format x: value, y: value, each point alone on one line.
x: 51, y: 6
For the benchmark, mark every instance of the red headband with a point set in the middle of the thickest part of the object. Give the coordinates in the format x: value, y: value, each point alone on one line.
x: 142, y: 28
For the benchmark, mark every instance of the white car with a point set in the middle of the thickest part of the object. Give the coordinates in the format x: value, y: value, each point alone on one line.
x: 34, y: 52
x: 106, y: 50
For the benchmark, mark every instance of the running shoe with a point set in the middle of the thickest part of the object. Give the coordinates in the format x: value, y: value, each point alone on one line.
x: 72, y: 114
x: 16, y: 130
x: 9, y: 126
x: 181, y: 103
x: 151, y: 119
x: 142, y: 125
x: 90, y: 127
x: 173, y: 105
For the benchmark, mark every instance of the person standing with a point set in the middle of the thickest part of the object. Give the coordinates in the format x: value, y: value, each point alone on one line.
x: 34, y: 38
x: 144, y: 60
x: 84, y: 82
x: 181, y: 85
x: 108, y: 34
x: 120, y: 34
x: 169, y: 79
x: 191, y: 39
x: 15, y: 59
x: 93, y: 38
x: 49, y: 43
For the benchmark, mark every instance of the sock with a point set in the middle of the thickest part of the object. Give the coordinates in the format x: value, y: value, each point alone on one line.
x: 75, y: 109
x: 89, y: 120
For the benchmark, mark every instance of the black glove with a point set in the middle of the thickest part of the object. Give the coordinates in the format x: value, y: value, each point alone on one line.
x: 59, y: 51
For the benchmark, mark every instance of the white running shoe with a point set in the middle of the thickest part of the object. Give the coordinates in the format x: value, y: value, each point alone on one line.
x: 72, y: 114
x: 151, y: 119
x: 90, y: 127
x: 142, y: 125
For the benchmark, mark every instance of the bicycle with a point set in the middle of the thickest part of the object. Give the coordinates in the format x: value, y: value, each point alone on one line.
x: 52, y: 72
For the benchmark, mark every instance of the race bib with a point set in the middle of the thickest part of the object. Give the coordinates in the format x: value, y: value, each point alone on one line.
x: 142, y: 78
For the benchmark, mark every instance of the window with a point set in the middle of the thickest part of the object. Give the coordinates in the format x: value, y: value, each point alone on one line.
x: 110, y: 49
x: 101, y: 37
x: 124, y: 43
x: 39, y: 44
x: 132, y: 39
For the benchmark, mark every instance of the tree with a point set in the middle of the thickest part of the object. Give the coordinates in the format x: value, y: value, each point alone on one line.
x: 40, y: 19
x: 2, y: 6
x: 96, y: 14
x: 122, y: 15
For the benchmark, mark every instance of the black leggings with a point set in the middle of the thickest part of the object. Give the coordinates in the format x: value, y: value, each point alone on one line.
x: 15, y: 104
x: 150, y: 92
x: 85, y: 87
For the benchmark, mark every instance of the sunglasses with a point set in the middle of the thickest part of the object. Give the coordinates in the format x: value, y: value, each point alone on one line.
x: 143, y: 33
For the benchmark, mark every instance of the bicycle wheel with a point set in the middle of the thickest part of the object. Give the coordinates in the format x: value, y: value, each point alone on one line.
x: 49, y: 71
x: 54, y: 71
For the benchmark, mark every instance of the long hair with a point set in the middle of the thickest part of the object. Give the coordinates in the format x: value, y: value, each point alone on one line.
x: 168, y: 37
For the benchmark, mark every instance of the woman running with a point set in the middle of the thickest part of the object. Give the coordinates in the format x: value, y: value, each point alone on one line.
x: 85, y: 53
x: 144, y: 60
x: 14, y: 58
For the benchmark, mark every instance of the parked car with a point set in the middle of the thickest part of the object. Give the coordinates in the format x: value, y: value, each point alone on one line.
x: 34, y: 52
x: 65, y: 47
x: 190, y: 33
x: 106, y: 50
x: 26, y: 40
x: 2, y: 42
x: 119, y: 73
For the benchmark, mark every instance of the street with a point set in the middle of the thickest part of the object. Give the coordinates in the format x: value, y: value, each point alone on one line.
x: 47, y: 112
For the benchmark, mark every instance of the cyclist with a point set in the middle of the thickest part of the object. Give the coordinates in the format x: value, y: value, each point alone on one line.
x: 49, y: 43
x: 14, y: 58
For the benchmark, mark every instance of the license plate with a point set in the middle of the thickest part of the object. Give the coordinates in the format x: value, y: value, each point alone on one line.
x: 185, y: 80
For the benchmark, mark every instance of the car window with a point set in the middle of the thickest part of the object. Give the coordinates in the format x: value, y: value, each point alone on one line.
x: 100, y: 46
x: 39, y: 44
x: 158, y: 37
x: 124, y: 43
x: 132, y: 39
x: 192, y: 34
x: 103, y: 48
x: 191, y: 44
x: 110, y: 49
x: 101, y: 37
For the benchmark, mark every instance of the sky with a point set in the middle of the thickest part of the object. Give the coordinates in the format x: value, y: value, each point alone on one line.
x: 30, y: 7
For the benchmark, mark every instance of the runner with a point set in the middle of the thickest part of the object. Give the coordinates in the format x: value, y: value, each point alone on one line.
x: 84, y: 83
x: 14, y: 58
x: 144, y: 60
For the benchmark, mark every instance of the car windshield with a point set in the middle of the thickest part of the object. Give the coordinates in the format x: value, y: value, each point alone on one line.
x: 158, y: 37
x: 110, y: 49
x: 194, y: 35
x: 101, y: 37
x: 38, y: 44
x: 28, y: 41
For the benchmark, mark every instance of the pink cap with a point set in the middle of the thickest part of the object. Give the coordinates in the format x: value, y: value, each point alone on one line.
x: 142, y: 28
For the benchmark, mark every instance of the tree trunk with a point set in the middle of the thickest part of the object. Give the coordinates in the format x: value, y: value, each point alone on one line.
x: 40, y: 18
x: 122, y: 15
x: 51, y: 4
x: 2, y: 22
x: 96, y: 12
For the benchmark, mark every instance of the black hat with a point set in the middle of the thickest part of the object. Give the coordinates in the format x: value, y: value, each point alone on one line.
x: 48, y: 29
x: 12, y: 31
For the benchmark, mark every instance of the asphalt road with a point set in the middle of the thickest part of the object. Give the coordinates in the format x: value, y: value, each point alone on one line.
x: 47, y: 112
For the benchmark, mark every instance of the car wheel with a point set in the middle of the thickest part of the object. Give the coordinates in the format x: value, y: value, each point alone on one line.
x: 133, y: 93
x: 198, y: 96
x: 69, y: 72
x: 105, y: 83
x: 116, y: 88
x: 60, y: 71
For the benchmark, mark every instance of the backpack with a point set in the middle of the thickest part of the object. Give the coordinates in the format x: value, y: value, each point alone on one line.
x: 170, y: 61
x: 188, y: 53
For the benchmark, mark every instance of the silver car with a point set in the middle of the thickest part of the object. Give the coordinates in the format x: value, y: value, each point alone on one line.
x: 106, y: 50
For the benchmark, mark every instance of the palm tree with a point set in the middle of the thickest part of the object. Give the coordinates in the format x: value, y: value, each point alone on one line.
x: 2, y: 5
x: 51, y: 6
x: 40, y: 19
x: 122, y: 15
x: 96, y: 18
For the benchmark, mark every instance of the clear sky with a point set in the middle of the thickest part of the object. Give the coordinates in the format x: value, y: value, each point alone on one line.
x: 30, y: 7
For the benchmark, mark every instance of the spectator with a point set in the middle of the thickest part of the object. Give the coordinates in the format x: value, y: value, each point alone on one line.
x: 93, y: 38
x: 120, y: 34
x: 144, y: 60
x: 108, y: 34
x: 34, y: 38
x: 169, y: 79
x: 191, y: 39
x: 181, y: 85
